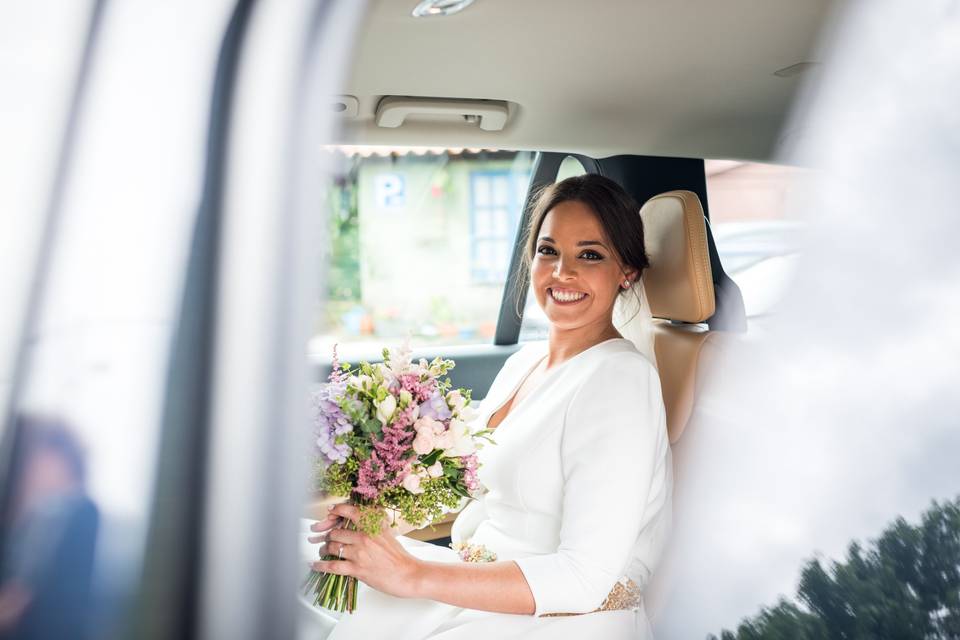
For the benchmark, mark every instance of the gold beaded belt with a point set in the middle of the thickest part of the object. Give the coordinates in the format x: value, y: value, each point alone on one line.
x: 625, y: 595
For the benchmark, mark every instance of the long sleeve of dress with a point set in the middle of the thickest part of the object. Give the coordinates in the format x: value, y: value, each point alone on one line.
x: 614, y: 452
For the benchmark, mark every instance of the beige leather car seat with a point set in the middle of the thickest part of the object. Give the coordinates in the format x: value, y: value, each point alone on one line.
x: 679, y: 284
x: 680, y: 289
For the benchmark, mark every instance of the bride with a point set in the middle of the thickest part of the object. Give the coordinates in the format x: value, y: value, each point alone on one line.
x: 579, y: 483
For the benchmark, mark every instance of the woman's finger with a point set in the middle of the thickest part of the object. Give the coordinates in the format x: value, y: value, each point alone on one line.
x: 327, y: 523
x: 340, y: 550
x: 316, y: 539
x: 348, y: 511
x: 339, y: 567
x: 333, y: 549
x: 346, y: 535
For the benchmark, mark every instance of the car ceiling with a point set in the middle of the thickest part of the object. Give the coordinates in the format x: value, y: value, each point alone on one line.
x: 685, y: 78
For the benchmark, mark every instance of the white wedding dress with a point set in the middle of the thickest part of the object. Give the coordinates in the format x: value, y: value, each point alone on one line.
x: 579, y: 494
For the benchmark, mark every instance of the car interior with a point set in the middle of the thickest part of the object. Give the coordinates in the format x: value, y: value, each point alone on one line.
x: 191, y: 326
x: 638, y: 92
x: 598, y: 84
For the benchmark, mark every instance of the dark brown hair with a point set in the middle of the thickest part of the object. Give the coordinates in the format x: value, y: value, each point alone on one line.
x: 617, y: 211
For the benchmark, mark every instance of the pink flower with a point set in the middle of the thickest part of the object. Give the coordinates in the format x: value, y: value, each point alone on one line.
x: 424, y: 442
x: 470, y: 477
x: 419, y: 389
x: 435, y: 470
x: 425, y: 423
x: 406, y: 417
x: 389, y: 460
x: 445, y: 440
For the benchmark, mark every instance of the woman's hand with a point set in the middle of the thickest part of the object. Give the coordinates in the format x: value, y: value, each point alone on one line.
x: 380, y: 561
x: 397, y: 527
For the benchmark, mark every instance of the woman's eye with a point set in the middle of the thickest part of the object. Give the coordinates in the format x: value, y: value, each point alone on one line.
x: 545, y: 250
x: 591, y: 255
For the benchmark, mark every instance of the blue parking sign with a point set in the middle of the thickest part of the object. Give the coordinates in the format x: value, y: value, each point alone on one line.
x: 389, y: 190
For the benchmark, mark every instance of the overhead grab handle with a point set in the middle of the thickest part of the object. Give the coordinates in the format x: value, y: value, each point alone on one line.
x: 393, y: 110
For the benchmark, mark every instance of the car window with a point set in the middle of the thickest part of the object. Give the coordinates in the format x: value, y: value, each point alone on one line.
x: 87, y: 416
x: 754, y: 228
x: 40, y: 43
x: 420, y: 244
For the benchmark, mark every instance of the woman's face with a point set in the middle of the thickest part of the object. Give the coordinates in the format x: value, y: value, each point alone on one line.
x: 575, y: 273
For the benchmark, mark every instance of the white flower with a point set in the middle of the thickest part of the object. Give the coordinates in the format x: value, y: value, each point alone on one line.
x: 463, y: 444
x: 405, y: 397
x: 435, y: 470
x: 385, y: 409
x: 384, y: 373
x: 411, y: 482
x: 401, y: 358
x: 468, y: 413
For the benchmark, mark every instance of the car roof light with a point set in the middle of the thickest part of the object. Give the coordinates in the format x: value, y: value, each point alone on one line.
x: 429, y: 8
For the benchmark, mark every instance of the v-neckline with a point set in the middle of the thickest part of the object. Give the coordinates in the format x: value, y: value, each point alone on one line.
x: 513, y: 392
x: 546, y: 376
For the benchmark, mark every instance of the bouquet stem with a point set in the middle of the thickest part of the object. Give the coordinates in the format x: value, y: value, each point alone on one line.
x: 332, y: 591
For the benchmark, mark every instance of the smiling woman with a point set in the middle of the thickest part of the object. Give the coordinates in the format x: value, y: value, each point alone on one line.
x: 602, y: 255
x: 579, y: 485
x: 162, y: 274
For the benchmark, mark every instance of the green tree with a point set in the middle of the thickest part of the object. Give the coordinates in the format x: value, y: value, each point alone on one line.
x: 904, y: 585
x: 343, y: 282
x: 343, y: 278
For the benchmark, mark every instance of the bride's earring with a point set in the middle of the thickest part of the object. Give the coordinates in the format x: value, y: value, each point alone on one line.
x: 625, y: 284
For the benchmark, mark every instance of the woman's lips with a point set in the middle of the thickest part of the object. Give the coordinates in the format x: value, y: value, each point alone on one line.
x: 566, y: 296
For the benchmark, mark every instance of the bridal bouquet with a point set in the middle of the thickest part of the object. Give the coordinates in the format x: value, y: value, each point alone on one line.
x: 391, y: 436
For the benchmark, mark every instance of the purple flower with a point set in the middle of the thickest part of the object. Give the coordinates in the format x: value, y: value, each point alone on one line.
x: 436, y: 407
x: 329, y: 420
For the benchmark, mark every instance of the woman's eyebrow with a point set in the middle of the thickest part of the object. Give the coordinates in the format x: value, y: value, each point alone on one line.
x: 582, y: 243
